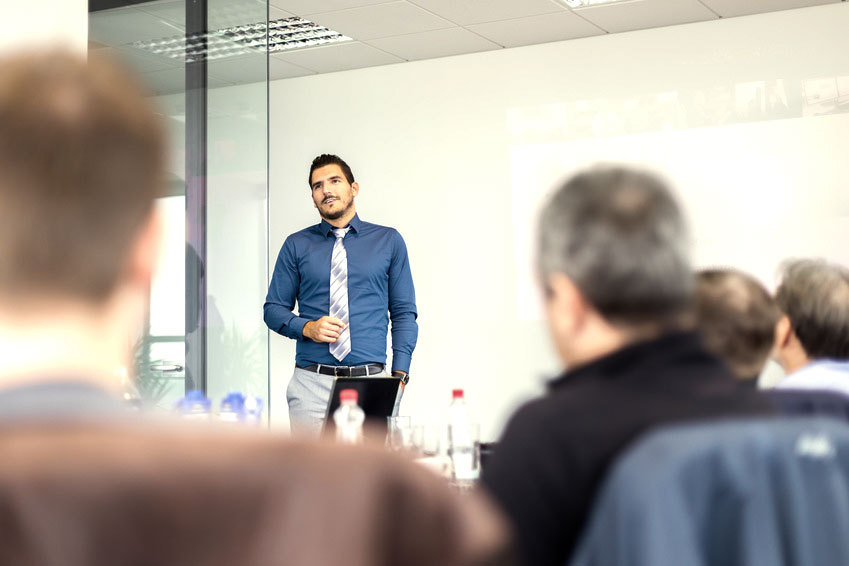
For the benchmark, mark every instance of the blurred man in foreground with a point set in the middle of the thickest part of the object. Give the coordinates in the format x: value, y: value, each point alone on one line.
x: 81, y: 161
x: 736, y: 318
x: 617, y: 277
x: 812, y: 336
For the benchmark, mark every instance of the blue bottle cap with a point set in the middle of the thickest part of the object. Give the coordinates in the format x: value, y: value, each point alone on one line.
x: 194, y: 402
x: 234, y: 401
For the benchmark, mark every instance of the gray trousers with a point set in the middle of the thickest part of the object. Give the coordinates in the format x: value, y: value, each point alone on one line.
x: 308, y: 394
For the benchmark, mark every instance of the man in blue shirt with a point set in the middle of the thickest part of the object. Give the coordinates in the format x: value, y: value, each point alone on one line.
x: 365, y: 268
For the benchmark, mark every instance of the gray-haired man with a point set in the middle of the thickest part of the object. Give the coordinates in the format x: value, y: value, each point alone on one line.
x: 812, y: 336
x: 613, y: 259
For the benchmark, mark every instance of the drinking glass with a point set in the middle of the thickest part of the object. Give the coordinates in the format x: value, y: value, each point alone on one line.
x: 426, y: 439
x: 399, y: 434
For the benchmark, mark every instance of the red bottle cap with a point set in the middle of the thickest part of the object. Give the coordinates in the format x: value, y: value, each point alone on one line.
x: 348, y: 395
x: 457, y: 394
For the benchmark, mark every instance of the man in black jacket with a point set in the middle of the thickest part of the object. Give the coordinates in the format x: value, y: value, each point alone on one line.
x: 618, y: 283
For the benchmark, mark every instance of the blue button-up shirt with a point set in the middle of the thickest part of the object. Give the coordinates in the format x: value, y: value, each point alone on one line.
x: 380, y: 288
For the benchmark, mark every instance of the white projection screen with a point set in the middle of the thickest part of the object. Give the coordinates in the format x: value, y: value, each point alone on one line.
x: 755, y: 193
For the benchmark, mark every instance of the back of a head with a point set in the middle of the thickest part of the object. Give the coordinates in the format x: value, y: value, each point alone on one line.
x: 736, y: 318
x: 814, y: 295
x: 81, y: 161
x: 619, y: 235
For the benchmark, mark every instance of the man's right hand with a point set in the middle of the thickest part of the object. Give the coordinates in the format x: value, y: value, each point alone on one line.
x: 325, y: 329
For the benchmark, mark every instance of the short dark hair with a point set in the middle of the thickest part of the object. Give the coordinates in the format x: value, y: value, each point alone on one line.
x: 736, y: 318
x: 330, y: 159
x: 82, y: 156
x: 619, y: 235
x: 814, y: 295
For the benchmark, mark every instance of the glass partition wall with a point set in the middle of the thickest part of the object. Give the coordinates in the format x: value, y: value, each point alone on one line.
x: 205, y: 64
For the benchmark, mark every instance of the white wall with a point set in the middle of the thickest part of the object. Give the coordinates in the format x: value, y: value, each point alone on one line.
x: 457, y: 154
x: 42, y: 24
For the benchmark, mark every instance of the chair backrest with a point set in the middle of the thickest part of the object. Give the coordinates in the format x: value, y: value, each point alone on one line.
x: 798, y: 402
x: 733, y: 493
x: 91, y: 495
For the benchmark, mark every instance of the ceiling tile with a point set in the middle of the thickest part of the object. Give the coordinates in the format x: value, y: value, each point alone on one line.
x: 338, y: 57
x: 174, y: 11
x: 279, y: 69
x: 230, y: 13
x: 126, y: 25
x: 464, y: 12
x: 382, y: 20
x: 301, y: 7
x: 536, y: 29
x: 239, y: 70
x: 215, y: 82
x: 731, y: 8
x: 172, y: 81
x: 277, y: 14
x: 144, y: 62
x: 643, y: 14
x: 433, y: 44
x: 220, y: 15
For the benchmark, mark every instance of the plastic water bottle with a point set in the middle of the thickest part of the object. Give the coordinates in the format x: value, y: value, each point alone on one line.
x: 461, y: 444
x: 253, y: 410
x: 232, y: 408
x: 194, y: 406
x: 349, y: 418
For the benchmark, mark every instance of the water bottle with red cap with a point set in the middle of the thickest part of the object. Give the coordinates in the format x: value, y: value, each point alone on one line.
x: 461, y: 439
x: 349, y: 418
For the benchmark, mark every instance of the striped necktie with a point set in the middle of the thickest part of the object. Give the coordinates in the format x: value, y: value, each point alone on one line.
x: 339, y: 294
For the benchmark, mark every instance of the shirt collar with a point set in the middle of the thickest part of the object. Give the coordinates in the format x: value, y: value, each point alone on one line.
x: 817, y: 366
x: 326, y: 227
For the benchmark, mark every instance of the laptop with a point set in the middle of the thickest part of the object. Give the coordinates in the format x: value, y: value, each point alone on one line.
x: 375, y: 396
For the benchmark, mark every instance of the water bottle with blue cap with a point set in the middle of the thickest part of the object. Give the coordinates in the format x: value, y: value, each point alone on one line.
x: 232, y: 408
x: 194, y: 406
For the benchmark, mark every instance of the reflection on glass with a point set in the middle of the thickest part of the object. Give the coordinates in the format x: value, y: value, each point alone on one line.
x: 237, y: 201
x: 150, y: 39
x: 159, y: 352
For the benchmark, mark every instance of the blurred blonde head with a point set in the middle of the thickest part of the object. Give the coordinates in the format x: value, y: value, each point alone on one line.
x: 736, y: 318
x: 81, y: 160
x: 82, y: 155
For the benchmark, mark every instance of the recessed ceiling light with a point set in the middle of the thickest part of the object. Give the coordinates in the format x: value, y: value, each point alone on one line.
x: 283, y: 35
x: 294, y: 33
x: 585, y: 3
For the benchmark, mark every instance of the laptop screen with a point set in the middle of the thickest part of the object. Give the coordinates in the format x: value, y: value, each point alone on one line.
x: 375, y: 396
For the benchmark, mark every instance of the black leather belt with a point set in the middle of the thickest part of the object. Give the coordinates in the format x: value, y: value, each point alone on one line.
x: 345, y: 371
